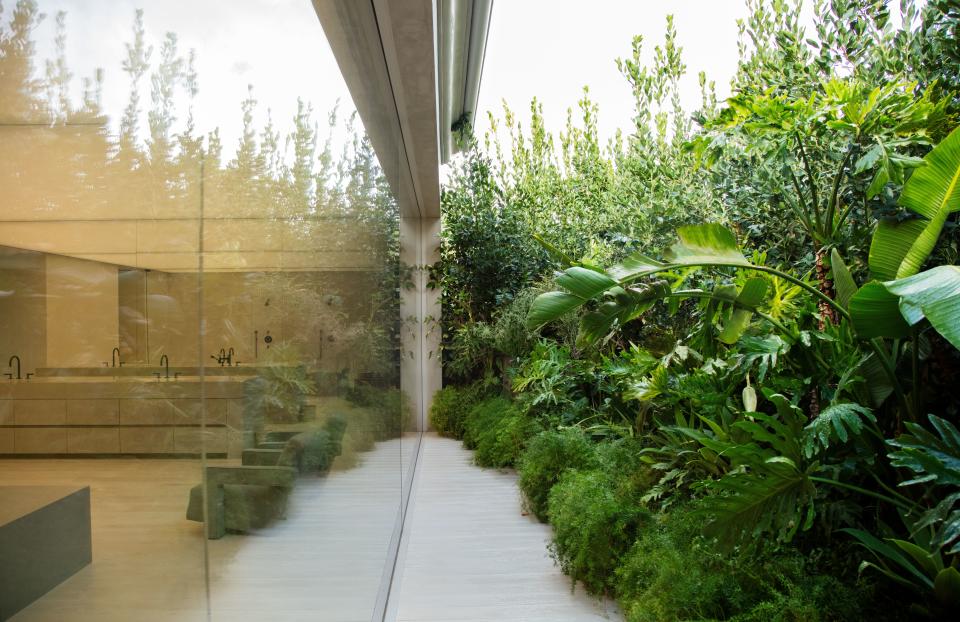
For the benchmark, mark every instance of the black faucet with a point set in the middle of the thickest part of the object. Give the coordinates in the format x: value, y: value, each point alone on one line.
x: 10, y: 364
x: 230, y: 357
x: 115, y: 357
x: 165, y: 362
x: 221, y: 358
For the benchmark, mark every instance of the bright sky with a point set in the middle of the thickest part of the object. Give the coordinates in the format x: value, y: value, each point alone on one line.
x: 276, y: 45
x: 551, y: 49
x: 544, y: 48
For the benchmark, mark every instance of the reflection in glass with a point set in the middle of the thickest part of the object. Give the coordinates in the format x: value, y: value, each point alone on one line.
x: 207, y: 332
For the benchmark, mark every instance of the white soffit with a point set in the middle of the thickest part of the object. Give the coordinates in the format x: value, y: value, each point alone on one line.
x: 385, y: 50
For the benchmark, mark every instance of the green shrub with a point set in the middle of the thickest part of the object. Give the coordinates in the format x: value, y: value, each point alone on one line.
x: 498, y: 431
x: 669, y: 574
x: 452, y: 404
x: 673, y: 573
x: 484, y: 416
x: 548, y: 456
x: 502, y: 444
x: 594, y: 524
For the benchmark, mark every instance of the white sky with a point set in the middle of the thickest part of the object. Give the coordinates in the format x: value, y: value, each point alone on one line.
x: 551, y: 49
x: 276, y: 45
x: 544, y: 48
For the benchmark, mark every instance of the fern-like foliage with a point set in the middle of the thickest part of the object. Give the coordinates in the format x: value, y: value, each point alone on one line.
x: 934, y: 459
x: 838, y: 422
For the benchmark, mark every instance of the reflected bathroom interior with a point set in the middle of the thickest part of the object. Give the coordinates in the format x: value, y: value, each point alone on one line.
x: 201, y: 410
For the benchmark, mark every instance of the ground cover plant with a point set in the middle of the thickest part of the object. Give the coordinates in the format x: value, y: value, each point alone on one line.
x: 741, y: 323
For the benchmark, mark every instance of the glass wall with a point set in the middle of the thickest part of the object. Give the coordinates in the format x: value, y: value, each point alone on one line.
x: 201, y: 415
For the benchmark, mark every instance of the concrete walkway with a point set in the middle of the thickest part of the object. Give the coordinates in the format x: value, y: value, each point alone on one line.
x: 468, y: 554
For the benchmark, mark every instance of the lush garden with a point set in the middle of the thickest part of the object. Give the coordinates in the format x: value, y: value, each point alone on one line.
x: 722, y: 351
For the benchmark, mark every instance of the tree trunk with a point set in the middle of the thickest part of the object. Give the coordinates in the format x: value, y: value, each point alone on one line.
x: 827, y: 313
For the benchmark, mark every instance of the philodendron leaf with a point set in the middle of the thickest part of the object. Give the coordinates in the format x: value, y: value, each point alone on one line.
x: 875, y: 313
x: 705, y: 244
x: 933, y: 294
x: 842, y: 280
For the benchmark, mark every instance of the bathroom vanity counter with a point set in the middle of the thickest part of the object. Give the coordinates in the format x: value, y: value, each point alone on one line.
x: 125, y: 416
x: 147, y: 371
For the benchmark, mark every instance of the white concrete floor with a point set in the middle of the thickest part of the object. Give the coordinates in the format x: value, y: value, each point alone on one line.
x: 324, y: 563
x: 468, y: 554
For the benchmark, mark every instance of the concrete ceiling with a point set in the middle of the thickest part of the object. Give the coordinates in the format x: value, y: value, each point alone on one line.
x: 385, y: 49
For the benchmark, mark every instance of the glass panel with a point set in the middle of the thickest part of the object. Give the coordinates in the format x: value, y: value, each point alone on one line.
x: 200, y: 286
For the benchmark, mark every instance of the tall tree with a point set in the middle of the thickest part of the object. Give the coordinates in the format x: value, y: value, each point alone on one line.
x: 304, y: 143
x: 21, y: 98
x: 162, y: 116
x: 135, y: 65
x: 58, y: 75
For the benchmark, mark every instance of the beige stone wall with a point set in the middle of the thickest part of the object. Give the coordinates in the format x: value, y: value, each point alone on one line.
x: 23, y: 326
x: 82, y: 312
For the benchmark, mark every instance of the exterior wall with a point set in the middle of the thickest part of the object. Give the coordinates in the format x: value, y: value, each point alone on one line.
x: 420, y: 371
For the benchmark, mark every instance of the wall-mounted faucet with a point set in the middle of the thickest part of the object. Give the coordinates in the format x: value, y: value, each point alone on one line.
x: 225, y: 357
x: 10, y: 365
x: 221, y: 357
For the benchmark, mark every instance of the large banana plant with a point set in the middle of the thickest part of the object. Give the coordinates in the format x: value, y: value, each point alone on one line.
x: 626, y: 290
x: 899, y: 296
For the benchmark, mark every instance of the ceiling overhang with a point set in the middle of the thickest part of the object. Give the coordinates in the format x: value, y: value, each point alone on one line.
x: 413, y: 68
x: 462, y: 43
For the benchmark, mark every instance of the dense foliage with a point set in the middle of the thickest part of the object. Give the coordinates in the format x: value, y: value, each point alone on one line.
x: 742, y: 324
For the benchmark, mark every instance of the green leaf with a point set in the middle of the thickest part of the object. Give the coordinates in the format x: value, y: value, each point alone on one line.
x: 890, y: 244
x: 932, y: 192
x: 768, y: 499
x: 634, y: 265
x: 764, y: 351
x: 885, y: 552
x: 621, y: 307
x: 559, y: 256
x: 836, y: 422
x: 946, y: 587
x: 929, y: 457
x: 877, y: 382
x: 923, y: 559
x: 842, y: 280
x: 585, y: 283
x: 551, y: 306
x: 704, y: 244
x: 934, y: 295
x: 875, y: 312
x: 746, y: 302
